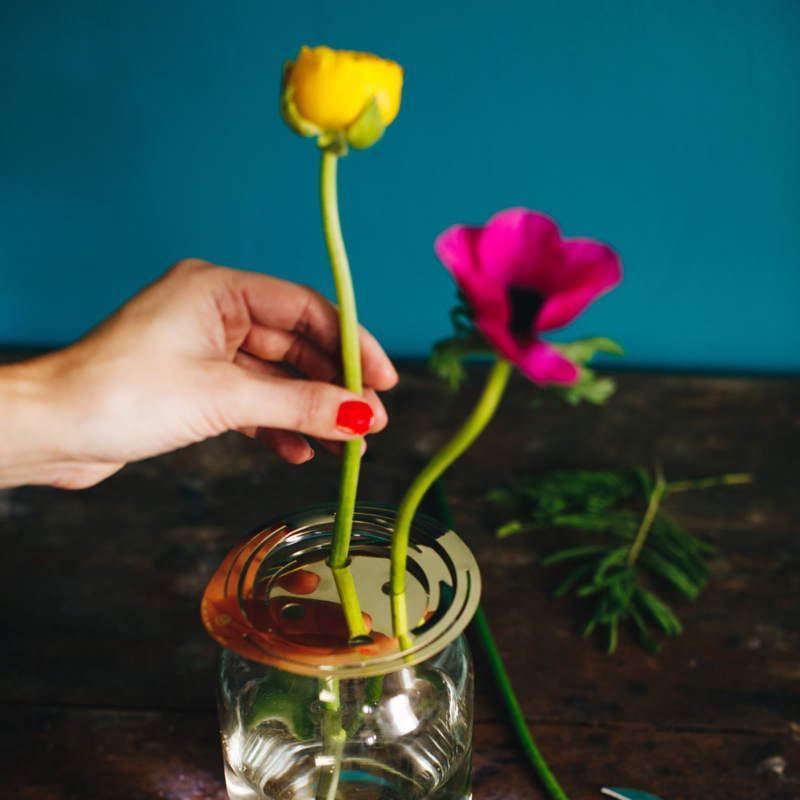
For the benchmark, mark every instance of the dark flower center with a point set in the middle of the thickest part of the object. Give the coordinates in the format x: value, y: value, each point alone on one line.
x: 525, y: 307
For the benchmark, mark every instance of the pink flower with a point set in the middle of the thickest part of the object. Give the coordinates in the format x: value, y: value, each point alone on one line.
x: 522, y: 279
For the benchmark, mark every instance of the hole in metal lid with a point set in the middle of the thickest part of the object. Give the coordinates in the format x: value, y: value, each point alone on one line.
x: 293, y: 611
x: 346, y: 565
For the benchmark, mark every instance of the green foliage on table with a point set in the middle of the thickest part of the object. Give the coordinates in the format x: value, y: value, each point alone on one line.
x: 620, y: 510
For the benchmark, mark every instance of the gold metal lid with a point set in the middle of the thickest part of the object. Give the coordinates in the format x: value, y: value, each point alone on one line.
x: 274, y: 600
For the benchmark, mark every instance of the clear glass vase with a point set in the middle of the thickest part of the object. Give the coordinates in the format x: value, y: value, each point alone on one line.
x: 304, y: 716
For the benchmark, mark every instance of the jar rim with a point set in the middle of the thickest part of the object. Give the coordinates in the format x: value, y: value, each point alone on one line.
x: 258, y: 603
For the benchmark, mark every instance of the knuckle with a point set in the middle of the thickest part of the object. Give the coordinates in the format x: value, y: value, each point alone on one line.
x: 308, y: 407
x: 187, y: 265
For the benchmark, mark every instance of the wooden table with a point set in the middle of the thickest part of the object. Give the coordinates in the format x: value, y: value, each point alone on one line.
x: 107, y: 676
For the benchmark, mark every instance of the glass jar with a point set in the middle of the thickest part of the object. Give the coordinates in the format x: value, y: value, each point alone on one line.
x: 303, y: 715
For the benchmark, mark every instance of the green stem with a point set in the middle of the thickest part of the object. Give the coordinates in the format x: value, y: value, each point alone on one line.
x: 351, y: 360
x: 343, y: 281
x: 333, y: 739
x: 484, y: 633
x: 708, y: 483
x: 349, y: 600
x: 372, y: 696
x: 506, y: 690
x: 649, y: 516
x: 477, y: 421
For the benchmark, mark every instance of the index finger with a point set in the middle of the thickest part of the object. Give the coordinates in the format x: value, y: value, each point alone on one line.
x: 276, y: 303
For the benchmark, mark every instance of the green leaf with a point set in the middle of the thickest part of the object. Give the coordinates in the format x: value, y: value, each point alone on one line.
x: 289, y: 111
x: 572, y: 579
x: 589, y: 387
x: 659, y: 611
x: 613, y: 635
x: 510, y: 528
x: 461, y: 315
x: 286, y: 697
x: 507, y: 498
x: 584, y: 350
x: 684, y: 559
x: 601, y: 523
x: 368, y: 128
x: 574, y: 491
x: 613, y: 559
x: 448, y: 356
x: 573, y: 552
x: 645, y: 480
x: 644, y: 634
x: 683, y: 536
x: 594, y: 620
x: 660, y: 566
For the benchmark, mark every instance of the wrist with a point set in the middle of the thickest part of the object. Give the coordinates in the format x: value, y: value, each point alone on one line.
x: 28, y: 423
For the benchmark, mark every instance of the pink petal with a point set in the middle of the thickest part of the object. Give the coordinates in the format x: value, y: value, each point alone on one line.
x: 457, y: 250
x: 590, y: 270
x: 497, y: 333
x: 544, y: 364
x: 522, y: 248
x: 541, y: 362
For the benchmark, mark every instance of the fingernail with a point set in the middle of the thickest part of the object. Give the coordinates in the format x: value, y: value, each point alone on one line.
x: 354, y: 416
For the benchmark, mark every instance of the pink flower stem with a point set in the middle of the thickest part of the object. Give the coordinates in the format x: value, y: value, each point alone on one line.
x: 466, y: 435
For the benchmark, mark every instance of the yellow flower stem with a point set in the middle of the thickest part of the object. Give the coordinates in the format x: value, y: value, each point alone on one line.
x: 333, y: 739
x: 466, y: 435
x: 351, y: 360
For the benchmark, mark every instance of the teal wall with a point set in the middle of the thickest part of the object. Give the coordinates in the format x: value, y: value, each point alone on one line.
x: 137, y: 132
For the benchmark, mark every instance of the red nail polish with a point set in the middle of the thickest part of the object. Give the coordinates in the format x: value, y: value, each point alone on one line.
x: 354, y: 416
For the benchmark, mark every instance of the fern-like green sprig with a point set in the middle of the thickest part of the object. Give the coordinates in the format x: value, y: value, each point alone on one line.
x: 608, y: 572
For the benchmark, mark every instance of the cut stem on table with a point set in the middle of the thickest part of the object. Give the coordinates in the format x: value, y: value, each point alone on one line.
x: 501, y: 679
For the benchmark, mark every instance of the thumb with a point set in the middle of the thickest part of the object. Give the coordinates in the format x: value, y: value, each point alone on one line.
x: 315, y: 408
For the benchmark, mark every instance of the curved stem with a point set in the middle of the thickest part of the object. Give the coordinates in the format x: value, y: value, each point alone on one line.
x: 512, y: 706
x: 351, y: 360
x: 477, y: 421
x: 484, y: 633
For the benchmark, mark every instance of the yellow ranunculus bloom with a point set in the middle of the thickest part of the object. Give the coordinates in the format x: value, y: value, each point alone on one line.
x: 331, y: 88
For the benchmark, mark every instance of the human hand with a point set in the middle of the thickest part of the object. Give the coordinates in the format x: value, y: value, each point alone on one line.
x: 195, y: 354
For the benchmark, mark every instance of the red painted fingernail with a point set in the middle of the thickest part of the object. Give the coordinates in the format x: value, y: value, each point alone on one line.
x: 354, y: 416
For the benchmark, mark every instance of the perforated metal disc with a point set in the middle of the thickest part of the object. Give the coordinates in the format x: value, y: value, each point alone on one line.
x: 274, y: 599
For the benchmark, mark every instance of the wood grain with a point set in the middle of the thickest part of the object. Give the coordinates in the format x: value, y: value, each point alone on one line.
x: 107, y: 677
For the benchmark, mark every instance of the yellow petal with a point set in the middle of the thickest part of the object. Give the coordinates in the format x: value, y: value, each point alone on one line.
x: 332, y: 87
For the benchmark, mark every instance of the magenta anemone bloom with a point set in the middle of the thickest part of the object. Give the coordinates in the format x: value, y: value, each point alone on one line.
x: 521, y: 278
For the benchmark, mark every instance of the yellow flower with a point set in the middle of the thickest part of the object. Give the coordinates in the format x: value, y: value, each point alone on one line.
x: 327, y: 91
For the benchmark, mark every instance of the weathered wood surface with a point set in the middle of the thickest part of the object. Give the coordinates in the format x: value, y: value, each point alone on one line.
x: 106, y: 675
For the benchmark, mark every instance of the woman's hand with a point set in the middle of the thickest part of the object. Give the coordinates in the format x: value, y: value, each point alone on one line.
x: 199, y: 352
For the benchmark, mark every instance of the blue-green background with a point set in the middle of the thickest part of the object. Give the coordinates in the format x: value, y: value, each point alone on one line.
x: 137, y: 132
